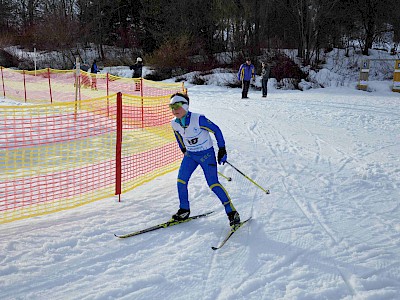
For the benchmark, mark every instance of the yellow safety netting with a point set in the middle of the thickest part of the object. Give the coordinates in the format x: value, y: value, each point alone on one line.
x: 65, y: 154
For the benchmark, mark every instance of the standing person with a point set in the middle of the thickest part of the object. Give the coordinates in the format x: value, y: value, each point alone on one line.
x: 137, y: 72
x: 137, y: 68
x: 94, y: 70
x: 192, y: 132
x: 265, y: 70
x: 245, y: 74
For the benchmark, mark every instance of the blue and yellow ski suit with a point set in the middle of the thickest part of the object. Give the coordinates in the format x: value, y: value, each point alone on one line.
x: 193, y: 136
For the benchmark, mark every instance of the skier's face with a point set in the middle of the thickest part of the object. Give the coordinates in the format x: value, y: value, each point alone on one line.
x: 179, y: 112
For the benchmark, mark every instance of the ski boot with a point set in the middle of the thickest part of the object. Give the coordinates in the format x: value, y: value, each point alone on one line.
x: 234, y: 219
x: 181, y: 215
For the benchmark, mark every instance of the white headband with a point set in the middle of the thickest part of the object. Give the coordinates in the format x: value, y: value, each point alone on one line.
x: 178, y: 98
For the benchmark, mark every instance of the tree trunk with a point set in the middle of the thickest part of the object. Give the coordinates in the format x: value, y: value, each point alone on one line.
x: 369, y: 38
x: 256, y: 46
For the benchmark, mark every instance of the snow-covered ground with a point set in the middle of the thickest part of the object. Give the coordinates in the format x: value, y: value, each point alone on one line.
x: 330, y: 229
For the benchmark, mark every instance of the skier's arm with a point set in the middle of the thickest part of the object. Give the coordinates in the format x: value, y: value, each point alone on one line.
x: 180, y: 141
x: 206, y: 124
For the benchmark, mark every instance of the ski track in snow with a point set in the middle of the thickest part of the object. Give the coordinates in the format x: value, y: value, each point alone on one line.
x: 329, y: 229
x: 259, y: 134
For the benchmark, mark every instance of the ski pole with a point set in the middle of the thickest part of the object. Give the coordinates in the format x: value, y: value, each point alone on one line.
x: 226, y: 177
x: 251, y: 180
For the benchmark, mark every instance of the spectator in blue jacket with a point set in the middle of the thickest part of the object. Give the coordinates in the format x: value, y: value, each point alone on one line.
x: 245, y: 74
x: 94, y: 70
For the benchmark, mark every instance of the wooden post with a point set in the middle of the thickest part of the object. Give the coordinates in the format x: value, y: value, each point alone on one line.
x: 396, y: 77
x: 108, y: 101
x: 364, y: 73
x: 142, y: 99
x: 2, y: 79
x: 77, y: 74
x: 23, y: 72
x: 51, y: 94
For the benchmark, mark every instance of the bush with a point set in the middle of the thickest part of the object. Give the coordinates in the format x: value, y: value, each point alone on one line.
x: 180, y: 55
x: 198, y: 80
x: 26, y: 64
x: 159, y: 74
x: 7, y: 60
x: 284, y: 67
x: 171, y: 58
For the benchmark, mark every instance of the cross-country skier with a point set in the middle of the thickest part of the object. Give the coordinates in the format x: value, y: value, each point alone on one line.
x: 192, y: 132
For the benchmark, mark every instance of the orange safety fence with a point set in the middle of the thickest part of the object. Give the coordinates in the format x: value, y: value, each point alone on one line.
x: 49, y: 85
x: 66, y: 154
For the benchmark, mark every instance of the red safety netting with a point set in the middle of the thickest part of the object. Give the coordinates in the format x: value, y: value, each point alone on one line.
x: 49, y: 85
x: 62, y: 155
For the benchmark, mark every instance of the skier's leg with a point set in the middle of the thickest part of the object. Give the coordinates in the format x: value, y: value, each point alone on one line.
x: 209, y: 166
x: 188, y: 165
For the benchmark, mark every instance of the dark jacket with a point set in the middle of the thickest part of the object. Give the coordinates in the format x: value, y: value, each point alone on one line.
x: 94, y: 69
x: 137, y: 69
x: 265, y: 72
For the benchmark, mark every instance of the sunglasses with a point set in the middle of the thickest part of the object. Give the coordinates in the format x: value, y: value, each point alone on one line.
x: 176, y: 105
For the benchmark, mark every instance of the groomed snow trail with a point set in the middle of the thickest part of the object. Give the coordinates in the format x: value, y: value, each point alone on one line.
x: 330, y: 159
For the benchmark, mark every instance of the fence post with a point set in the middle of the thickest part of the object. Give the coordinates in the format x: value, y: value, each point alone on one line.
x: 23, y: 72
x: 141, y: 97
x: 77, y: 74
x: 80, y: 84
x: 107, y: 80
x: 108, y: 101
x: 51, y: 94
x: 118, y: 148
x: 2, y: 79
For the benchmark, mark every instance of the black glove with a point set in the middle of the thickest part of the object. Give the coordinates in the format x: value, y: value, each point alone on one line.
x: 222, y: 155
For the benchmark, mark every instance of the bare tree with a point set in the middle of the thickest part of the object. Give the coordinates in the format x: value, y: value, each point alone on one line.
x: 238, y: 26
x: 5, y: 14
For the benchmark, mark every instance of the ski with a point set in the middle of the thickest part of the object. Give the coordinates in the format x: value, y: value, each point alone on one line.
x: 162, y: 225
x: 233, y: 230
